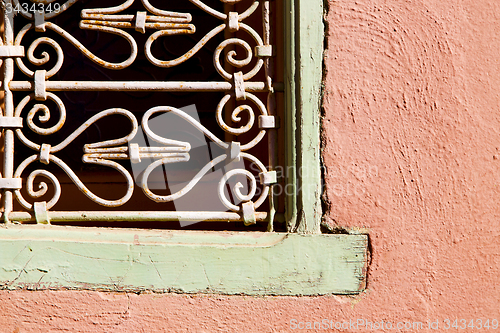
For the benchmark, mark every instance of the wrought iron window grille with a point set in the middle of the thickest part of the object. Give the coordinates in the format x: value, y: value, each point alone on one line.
x: 40, y: 120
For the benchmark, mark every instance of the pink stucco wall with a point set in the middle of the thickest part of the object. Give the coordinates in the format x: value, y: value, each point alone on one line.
x: 412, y: 149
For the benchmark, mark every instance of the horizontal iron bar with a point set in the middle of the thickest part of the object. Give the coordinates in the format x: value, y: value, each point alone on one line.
x: 140, y: 86
x: 130, y: 216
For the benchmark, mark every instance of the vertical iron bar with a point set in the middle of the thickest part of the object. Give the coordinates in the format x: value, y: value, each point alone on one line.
x: 231, y: 104
x: 268, y: 32
x: 8, y: 166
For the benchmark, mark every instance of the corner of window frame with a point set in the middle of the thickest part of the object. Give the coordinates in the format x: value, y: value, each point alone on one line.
x: 300, y: 262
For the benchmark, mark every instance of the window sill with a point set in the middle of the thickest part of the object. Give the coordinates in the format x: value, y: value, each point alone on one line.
x: 56, y: 257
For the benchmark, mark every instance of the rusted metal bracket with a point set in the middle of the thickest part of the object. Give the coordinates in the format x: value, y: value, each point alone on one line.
x: 39, y: 21
x: 11, y: 51
x: 248, y: 209
x: 264, y: 51
x: 11, y: 183
x: 41, y: 213
x: 267, y: 122
x: 11, y: 122
x: 44, y: 153
x: 40, y: 88
x: 239, y: 86
x: 135, y: 156
x: 233, y: 22
x: 140, y: 22
x: 268, y: 178
x: 234, y: 152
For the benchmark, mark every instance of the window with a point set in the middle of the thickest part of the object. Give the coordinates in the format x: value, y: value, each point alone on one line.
x: 48, y: 256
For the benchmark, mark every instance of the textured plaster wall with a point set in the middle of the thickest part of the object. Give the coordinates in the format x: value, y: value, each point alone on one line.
x: 412, y: 149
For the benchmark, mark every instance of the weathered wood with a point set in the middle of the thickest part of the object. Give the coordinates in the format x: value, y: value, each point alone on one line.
x: 310, y: 78
x: 304, y: 36
x: 42, y: 257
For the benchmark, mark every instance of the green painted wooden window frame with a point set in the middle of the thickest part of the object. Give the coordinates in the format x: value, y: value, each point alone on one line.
x: 301, y: 262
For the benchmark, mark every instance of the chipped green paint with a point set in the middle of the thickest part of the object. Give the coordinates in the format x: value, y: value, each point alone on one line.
x: 48, y: 257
